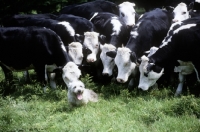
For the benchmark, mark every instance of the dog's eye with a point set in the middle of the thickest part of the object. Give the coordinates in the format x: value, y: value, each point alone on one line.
x: 74, y: 87
x: 81, y: 86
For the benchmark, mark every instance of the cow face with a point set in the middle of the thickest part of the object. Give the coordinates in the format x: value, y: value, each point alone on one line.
x: 127, y: 13
x: 125, y: 61
x: 181, y: 12
x: 148, y: 76
x: 91, y: 41
x: 108, y: 62
x: 76, y: 52
x: 70, y: 72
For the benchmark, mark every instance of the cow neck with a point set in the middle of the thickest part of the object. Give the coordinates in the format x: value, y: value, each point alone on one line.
x: 133, y: 46
x: 115, y: 41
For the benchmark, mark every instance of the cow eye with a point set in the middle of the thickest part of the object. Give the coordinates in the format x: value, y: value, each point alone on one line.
x: 122, y: 14
x: 184, y: 13
x: 97, y: 45
x: 126, y: 64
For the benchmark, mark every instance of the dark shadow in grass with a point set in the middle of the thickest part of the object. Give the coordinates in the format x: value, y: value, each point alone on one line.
x: 186, y: 105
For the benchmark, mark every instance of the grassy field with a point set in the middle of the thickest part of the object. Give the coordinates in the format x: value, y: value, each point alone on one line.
x: 118, y: 110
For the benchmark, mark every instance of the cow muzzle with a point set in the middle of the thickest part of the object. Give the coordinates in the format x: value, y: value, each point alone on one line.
x: 121, y: 80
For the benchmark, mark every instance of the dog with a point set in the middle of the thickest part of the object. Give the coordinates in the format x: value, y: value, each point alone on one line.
x: 78, y: 95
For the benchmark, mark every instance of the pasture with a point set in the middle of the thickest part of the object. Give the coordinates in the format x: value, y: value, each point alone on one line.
x: 118, y: 110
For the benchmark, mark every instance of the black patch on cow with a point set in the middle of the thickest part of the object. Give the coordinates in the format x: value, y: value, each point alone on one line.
x: 111, y: 54
x: 133, y: 57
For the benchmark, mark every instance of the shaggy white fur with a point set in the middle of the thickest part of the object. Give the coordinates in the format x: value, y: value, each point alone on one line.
x: 78, y: 95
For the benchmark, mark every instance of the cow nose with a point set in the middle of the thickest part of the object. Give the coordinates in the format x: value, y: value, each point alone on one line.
x: 175, y: 20
x: 120, y: 80
x: 130, y: 26
x: 144, y: 88
x: 105, y: 74
x: 90, y: 60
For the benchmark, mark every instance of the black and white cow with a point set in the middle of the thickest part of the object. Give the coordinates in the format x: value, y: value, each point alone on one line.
x: 149, y: 31
x: 85, y: 9
x: 124, y: 10
x: 182, y: 12
x: 92, y: 42
x: 116, y: 34
x: 22, y: 48
x: 63, y: 28
x: 79, y: 24
x: 182, y: 44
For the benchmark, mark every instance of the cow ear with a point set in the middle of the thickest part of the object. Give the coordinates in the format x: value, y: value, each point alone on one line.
x: 169, y: 8
x: 102, y: 39
x: 115, y: 9
x: 79, y: 38
x: 190, y: 6
x: 133, y: 57
x: 111, y: 54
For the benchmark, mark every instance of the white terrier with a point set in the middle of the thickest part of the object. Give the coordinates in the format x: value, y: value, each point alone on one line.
x: 78, y: 95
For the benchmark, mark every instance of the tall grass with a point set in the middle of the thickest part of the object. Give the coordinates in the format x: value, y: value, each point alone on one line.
x: 118, y: 110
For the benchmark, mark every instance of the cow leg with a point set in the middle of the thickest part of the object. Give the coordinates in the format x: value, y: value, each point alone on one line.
x: 41, y: 73
x: 52, y: 81
x: 9, y: 80
x: 180, y: 85
x: 8, y: 74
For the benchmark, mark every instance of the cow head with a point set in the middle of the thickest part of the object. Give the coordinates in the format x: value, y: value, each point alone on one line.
x: 91, y: 42
x: 127, y: 13
x: 108, y: 62
x: 70, y: 72
x: 76, y: 52
x: 125, y: 61
x: 149, y: 73
x: 181, y: 12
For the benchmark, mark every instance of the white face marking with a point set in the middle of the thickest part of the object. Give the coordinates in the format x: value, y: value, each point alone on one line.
x: 127, y: 13
x: 180, y: 12
x: 108, y: 62
x: 116, y: 26
x: 69, y: 28
x: 91, y: 41
x: 76, y: 52
x: 124, y: 64
x: 71, y: 72
x: 146, y: 82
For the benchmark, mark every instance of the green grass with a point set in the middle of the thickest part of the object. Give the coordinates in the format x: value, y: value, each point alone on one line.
x: 118, y: 110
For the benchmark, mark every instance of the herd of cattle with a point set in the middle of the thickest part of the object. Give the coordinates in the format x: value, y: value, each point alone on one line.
x: 104, y: 40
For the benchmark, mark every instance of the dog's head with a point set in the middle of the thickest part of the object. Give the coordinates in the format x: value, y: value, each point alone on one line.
x: 76, y: 88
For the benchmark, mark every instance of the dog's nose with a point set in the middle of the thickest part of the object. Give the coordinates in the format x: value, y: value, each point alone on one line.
x: 79, y: 91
